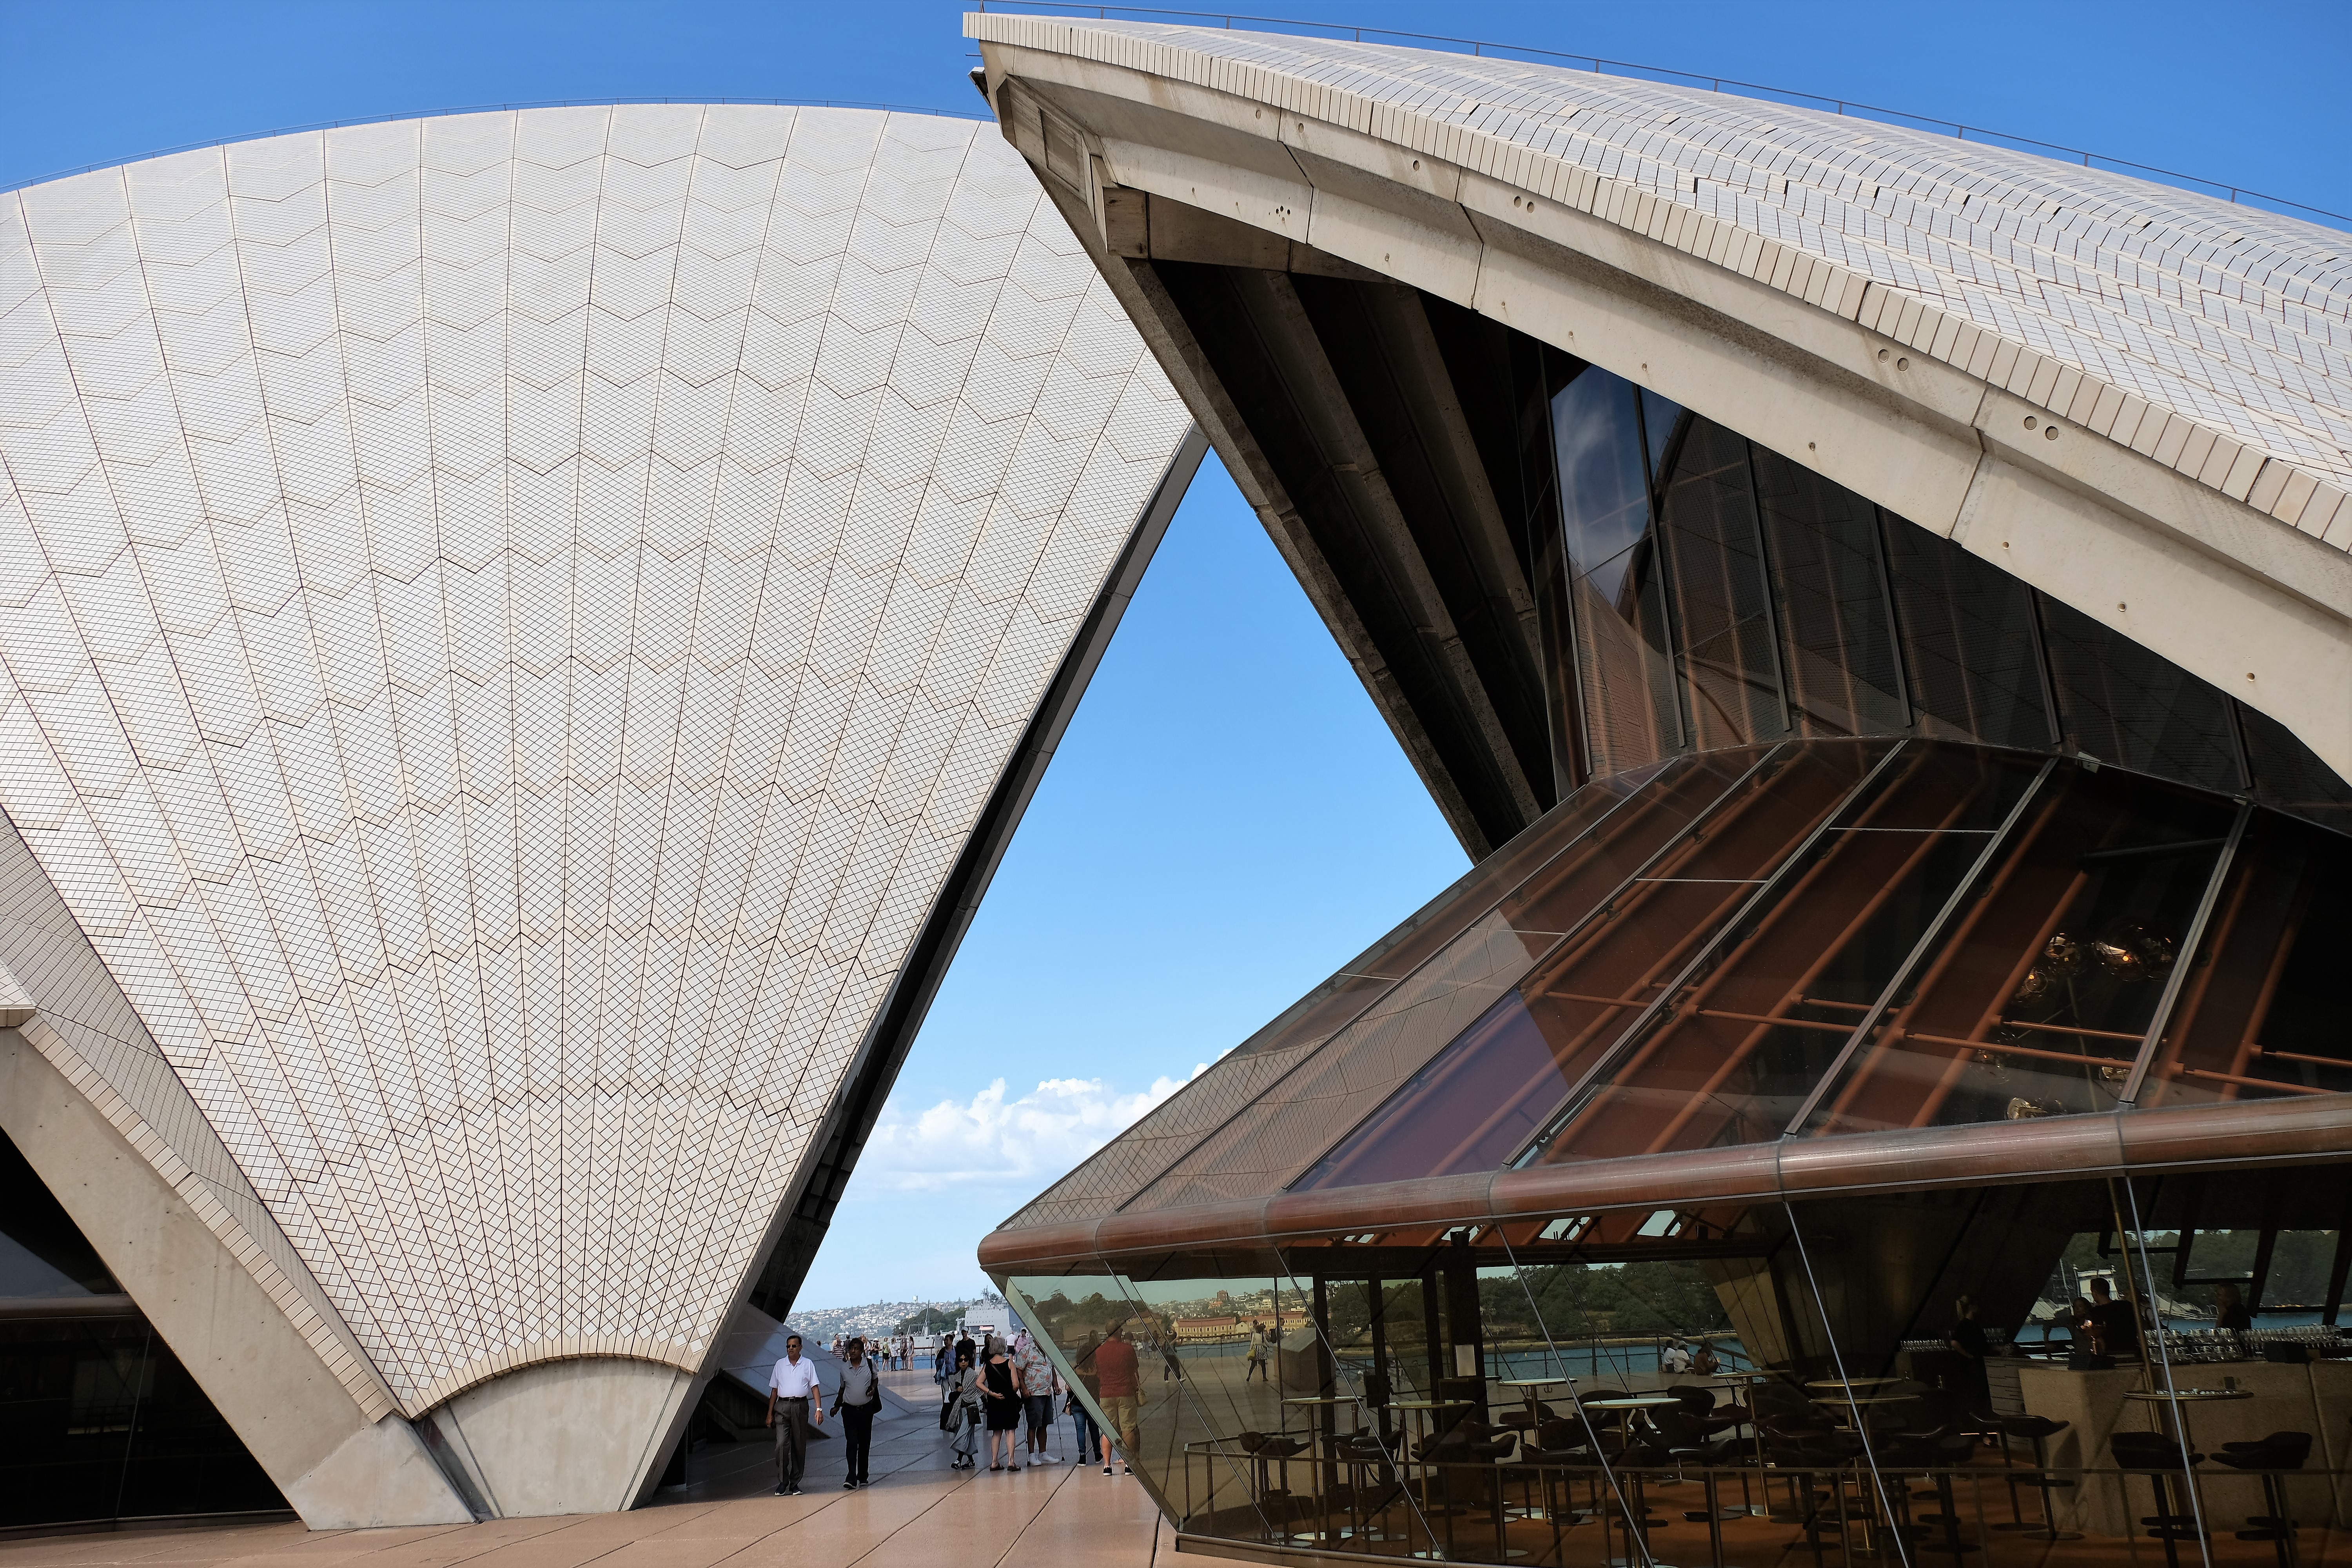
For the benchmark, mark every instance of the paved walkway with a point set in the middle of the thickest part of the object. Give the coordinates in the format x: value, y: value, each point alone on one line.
x: 916, y: 1511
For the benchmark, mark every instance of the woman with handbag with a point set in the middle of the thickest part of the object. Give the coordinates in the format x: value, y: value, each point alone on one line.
x: 960, y: 1413
x: 1002, y: 1386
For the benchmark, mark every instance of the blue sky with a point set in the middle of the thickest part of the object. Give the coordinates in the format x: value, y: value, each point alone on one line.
x: 1228, y: 819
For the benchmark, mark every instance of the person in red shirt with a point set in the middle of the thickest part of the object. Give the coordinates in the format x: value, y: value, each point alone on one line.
x: 1114, y: 1368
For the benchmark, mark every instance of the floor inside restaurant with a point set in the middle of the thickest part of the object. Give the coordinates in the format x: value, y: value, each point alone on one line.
x: 916, y: 1511
x: 1983, y: 1532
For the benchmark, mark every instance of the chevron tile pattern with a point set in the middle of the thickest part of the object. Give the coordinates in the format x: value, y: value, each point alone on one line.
x: 506, y: 622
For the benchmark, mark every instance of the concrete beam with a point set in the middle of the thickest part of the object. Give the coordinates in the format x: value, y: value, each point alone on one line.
x: 1143, y: 294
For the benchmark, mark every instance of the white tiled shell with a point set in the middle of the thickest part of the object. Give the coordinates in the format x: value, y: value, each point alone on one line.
x: 2213, y: 337
x: 506, y: 622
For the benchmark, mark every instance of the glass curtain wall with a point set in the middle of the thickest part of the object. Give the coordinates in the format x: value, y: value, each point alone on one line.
x: 98, y: 1420
x: 2052, y: 1374
x: 1707, y: 593
x: 1864, y: 936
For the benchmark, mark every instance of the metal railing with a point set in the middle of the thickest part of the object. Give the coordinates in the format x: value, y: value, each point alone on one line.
x: 1671, y: 76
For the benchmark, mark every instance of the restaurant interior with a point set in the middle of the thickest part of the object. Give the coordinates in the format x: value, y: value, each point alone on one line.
x: 1760, y: 1383
x: 1885, y: 1107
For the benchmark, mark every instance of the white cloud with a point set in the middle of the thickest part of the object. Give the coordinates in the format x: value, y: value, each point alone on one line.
x: 990, y: 1140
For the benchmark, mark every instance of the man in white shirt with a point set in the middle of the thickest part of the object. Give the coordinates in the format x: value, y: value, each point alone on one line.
x: 793, y: 1385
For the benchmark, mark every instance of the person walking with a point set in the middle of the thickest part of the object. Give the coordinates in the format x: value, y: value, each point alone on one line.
x: 1122, y: 1394
x: 795, y: 1391
x: 1038, y: 1384
x: 1086, y: 1399
x: 1000, y: 1389
x: 963, y: 1413
x: 1257, y: 1364
x: 858, y: 1398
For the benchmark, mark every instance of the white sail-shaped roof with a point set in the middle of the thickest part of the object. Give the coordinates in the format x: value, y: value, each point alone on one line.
x: 506, y: 621
x: 2224, y: 331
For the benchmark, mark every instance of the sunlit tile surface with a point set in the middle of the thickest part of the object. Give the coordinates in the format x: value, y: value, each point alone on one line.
x: 507, y: 622
x: 2215, y: 336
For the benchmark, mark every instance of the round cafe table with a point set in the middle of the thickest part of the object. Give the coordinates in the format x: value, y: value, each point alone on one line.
x: 1530, y: 1386
x: 1330, y: 1530
x: 1423, y: 1413
x: 2186, y: 1396
x: 1533, y: 1402
x: 1739, y: 1380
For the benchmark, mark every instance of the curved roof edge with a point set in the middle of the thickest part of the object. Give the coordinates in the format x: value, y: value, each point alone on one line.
x: 1928, y: 384
x: 2066, y: 1148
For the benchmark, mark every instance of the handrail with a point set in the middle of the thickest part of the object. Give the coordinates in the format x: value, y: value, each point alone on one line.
x: 480, y: 108
x: 1487, y: 48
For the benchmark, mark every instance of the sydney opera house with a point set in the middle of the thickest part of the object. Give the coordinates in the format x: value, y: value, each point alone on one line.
x: 525, y: 635
x: 1875, y: 607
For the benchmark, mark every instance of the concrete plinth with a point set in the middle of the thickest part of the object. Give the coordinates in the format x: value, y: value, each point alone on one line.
x: 569, y: 1436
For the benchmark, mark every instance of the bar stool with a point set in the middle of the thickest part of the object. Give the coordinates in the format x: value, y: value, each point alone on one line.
x: 2274, y: 1458
x: 2037, y: 1430
x: 1467, y: 1452
x: 1373, y: 1483
x: 2158, y: 1458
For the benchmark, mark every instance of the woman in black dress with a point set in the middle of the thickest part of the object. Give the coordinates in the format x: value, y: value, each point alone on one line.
x: 1001, y: 1392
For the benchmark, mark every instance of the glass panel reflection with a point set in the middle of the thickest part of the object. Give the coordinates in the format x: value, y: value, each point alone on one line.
x: 1844, y: 675
x: 2036, y: 1002
x: 1722, y: 607
x: 1616, y: 589
x: 1583, y: 998
x: 2288, y: 776
x: 2262, y: 1014
x: 1970, y: 646
x: 1262, y: 1146
x: 2122, y: 703
x: 1987, y: 1376
x: 1701, y: 591
x: 1752, y: 1030
x: 98, y: 1420
x: 1203, y: 1401
x: 1476, y: 1101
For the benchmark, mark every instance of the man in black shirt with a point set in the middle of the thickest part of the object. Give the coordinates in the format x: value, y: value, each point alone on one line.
x: 1967, y: 1339
x: 2117, y: 1324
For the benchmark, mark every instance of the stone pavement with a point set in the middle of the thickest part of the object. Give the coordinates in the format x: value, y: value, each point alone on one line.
x: 917, y: 1511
